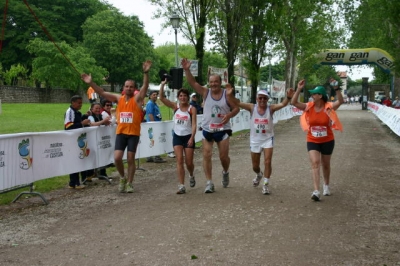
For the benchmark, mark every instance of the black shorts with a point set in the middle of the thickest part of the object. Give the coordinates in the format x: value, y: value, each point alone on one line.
x: 325, y: 148
x: 122, y: 141
x: 217, y: 136
x: 182, y: 141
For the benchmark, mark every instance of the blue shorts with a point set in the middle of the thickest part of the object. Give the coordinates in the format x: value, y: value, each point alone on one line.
x: 122, y: 141
x: 325, y: 148
x: 182, y: 141
x: 216, y: 136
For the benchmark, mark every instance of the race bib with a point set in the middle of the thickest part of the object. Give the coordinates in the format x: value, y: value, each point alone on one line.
x: 260, y: 125
x: 126, y: 117
x: 214, y: 127
x: 181, y: 119
x: 319, y: 131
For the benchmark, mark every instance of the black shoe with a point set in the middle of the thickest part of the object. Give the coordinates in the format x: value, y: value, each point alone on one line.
x: 150, y: 160
x: 159, y: 160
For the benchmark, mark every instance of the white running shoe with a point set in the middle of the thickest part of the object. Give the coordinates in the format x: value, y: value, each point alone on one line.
x: 257, y: 179
x: 315, y: 195
x: 209, y: 187
x: 326, y: 192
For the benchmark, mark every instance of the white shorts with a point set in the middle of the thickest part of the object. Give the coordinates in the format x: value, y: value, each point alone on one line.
x: 257, y: 147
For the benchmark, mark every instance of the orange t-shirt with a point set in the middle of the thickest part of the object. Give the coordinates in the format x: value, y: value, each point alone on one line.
x: 320, y: 128
x: 129, y: 117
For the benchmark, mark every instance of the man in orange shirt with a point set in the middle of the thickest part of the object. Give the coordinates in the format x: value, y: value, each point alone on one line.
x: 129, y: 118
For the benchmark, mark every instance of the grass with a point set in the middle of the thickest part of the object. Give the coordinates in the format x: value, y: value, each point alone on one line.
x: 33, y: 117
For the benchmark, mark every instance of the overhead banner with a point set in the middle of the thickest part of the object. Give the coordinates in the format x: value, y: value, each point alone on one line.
x: 375, y: 56
x: 222, y: 72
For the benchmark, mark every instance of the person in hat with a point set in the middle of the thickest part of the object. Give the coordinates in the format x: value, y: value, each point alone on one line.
x: 193, y: 102
x: 318, y: 120
x: 261, y: 132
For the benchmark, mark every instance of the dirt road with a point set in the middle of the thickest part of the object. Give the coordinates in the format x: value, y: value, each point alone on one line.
x: 359, y: 224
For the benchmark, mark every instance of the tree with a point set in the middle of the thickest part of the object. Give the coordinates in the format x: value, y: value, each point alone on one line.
x: 375, y: 23
x: 120, y: 44
x: 61, y: 18
x: 16, y: 72
x: 194, y: 14
x: 53, y: 69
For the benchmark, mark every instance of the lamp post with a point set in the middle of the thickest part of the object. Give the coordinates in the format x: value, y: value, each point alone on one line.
x: 270, y: 77
x: 175, y: 20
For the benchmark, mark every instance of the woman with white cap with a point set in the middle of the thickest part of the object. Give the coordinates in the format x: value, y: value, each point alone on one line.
x: 318, y: 119
x: 261, y: 132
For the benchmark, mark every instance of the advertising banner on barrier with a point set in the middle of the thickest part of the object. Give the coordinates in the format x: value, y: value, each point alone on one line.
x: 28, y: 157
x: 16, y: 160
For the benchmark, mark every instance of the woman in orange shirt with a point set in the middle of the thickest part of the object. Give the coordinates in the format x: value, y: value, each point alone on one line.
x: 318, y: 119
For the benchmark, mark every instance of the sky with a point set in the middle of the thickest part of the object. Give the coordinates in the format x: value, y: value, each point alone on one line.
x: 144, y: 10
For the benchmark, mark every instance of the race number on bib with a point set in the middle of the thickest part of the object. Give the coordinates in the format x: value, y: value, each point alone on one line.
x: 319, y: 131
x: 181, y: 119
x: 126, y: 117
x: 261, y: 125
x: 216, y: 127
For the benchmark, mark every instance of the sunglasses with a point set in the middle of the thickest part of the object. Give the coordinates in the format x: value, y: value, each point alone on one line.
x: 108, y: 104
x: 262, y: 98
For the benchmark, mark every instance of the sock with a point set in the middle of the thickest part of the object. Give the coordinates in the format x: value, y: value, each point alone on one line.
x: 266, y: 181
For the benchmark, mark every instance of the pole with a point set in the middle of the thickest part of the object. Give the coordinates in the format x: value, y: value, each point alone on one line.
x: 176, y: 48
x: 241, y: 82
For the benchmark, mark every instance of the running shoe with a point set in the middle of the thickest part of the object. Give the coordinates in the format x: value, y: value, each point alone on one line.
x: 315, y: 195
x: 79, y: 187
x: 171, y: 155
x: 265, y: 189
x: 181, y: 189
x: 326, y: 191
x: 225, y: 179
x: 192, y: 181
x: 129, y: 188
x: 122, y: 185
x: 257, y: 179
x: 209, y: 187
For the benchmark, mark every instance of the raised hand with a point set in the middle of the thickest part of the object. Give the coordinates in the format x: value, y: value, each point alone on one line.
x: 86, y: 78
x: 146, y: 65
x: 186, y: 64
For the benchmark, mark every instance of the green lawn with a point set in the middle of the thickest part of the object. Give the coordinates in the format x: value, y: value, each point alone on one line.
x: 33, y: 117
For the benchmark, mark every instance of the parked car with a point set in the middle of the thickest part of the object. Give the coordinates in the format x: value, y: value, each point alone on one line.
x: 380, y: 98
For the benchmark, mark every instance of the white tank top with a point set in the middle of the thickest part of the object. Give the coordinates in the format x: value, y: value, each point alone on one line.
x: 261, y: 126
x: 182, y: 122
x: 213, y: 111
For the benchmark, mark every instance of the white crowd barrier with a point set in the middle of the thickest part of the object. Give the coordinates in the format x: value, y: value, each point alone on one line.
x: 29, y: 157
x: 388, y: 115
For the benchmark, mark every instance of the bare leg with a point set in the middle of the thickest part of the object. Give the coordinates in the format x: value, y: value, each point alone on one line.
x: 207, y: 154
x: 189, y: 160
x: 268, y: 162
x: 179, y: 164
x: 223, y: 147
x: 326, y: 167
x: 131, y: 166
x: 315, y: 159
x: 255, y: 160
x: 118, y: 162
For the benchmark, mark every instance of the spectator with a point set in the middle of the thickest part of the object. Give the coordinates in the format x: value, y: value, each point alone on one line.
x: 318, y: 119
x: 128, y: 129
x: 183, y: 134
x: 193, y: 102
x: 218, y: 111
x: 73, y: 120
x: 106, y: 111
x: 387, y: 101
x: 153, y: 115
x: 396, y: 103
x: 261, y: 132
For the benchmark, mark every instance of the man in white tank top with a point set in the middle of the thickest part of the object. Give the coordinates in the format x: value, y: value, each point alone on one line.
x: 217, y: 112
x: 261, y: 132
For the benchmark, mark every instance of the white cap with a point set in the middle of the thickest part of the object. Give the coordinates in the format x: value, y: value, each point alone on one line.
x: 193, y: 94
x: 263, y: 92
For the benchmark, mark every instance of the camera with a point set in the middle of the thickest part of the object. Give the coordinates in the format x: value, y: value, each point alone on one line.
x: 163, y: 74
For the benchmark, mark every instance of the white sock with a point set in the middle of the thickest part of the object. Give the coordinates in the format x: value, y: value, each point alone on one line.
x: 266, y: 181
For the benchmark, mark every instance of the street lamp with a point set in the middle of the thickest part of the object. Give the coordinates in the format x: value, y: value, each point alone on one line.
x: 175, y: 20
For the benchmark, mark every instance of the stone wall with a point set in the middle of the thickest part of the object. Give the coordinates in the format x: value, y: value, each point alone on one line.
x: 13, y: 94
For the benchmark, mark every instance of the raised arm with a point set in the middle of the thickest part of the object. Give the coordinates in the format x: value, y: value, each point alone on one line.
x: 231, y: 98
x: 143, y: 90
x: 295, y: 98
x: 106, y: 95
x: 339, y: 96
x: 289, y: 95
x: 191, y: 80
x: 163, y: 99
